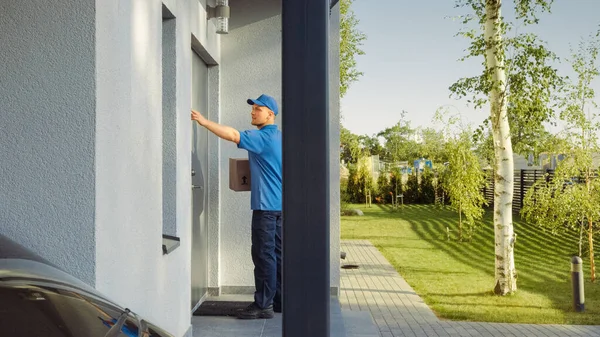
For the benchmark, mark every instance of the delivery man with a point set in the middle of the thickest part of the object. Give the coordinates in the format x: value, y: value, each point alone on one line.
x: 264, y: 154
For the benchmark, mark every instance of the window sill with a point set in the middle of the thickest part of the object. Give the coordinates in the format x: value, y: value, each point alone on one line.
x: 169, y: 243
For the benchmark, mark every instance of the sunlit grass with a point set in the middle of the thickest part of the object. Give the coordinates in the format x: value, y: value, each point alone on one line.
x: 456, y: 278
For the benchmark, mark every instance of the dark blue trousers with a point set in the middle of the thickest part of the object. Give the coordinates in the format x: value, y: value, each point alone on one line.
x: 266, y: 255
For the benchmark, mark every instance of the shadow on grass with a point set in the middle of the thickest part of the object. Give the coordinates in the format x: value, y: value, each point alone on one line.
x: 491, y: 305
x: 542, y: 259
x: 477, y: 294
x: 380, y: 291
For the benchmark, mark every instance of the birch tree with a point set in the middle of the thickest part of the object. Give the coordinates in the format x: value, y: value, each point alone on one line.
x: 571, y: 200
x: 525, y: 77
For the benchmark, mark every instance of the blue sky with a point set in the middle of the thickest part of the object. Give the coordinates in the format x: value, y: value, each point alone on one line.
x: 412, y: 58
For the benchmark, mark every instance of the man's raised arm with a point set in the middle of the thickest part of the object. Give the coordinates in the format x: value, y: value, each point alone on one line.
x: 222, y: 131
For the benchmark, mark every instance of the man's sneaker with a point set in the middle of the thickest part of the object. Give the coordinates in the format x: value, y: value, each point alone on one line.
x: 254, y: 312
x: 277, y: 308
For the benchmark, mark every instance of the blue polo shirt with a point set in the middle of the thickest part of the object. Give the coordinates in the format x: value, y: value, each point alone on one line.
x: 264, y: 155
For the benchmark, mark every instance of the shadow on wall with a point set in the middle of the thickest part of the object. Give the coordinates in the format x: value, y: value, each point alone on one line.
x: 244, y: 12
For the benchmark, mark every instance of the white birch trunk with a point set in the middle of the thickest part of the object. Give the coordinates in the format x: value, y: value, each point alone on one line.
x: 506, y: 275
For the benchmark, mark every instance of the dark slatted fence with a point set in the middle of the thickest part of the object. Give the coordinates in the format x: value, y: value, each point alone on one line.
x: 524, y: 180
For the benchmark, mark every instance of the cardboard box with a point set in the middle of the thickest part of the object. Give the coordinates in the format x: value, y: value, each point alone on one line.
x: 239, y: 174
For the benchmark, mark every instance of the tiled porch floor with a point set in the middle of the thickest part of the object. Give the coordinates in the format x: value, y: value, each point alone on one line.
x: 347, y: 324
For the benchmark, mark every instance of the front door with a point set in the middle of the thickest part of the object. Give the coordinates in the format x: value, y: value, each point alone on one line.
x: 199, y: 186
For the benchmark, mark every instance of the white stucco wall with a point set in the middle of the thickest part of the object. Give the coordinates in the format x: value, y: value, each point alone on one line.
x: 130, y: 267
x: 47, y: 111
x: 251, y: 65
x: 334, y: 146
x: 215, y: 175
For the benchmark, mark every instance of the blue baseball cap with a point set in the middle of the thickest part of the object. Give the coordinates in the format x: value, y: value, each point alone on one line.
x: 265, y: 100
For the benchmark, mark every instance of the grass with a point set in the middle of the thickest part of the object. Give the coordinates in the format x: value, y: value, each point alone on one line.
x: 456, y: 278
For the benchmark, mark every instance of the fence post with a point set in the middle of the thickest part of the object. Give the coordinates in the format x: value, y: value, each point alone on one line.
x: 522, y: 188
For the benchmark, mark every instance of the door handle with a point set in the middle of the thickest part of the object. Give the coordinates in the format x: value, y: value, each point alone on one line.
x: 197, y: 186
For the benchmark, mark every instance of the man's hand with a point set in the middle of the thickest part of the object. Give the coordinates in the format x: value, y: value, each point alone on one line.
x: 196, y: 116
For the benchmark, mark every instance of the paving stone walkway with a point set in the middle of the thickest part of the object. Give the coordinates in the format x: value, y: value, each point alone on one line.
x: 397, y: 310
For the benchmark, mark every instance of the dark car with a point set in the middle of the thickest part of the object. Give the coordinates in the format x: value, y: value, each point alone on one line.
x: 38, y: 299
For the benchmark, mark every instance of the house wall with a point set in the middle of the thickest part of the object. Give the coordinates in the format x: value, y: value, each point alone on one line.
x: 130, y: 267
x: 251, y: 65
x: 334, y: 147
x: 47, y: 179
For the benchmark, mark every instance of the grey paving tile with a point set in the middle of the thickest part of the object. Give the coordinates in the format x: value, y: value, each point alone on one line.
x: 207, y: 326
x: 396, y: 308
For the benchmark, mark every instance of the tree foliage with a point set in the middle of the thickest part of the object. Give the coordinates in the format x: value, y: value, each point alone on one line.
x: 427, y: 186
x: 360, y: 181
x: 412, y: 190
x: 572, y: 198
x: 463, y: 180
x: 531, y: 76
x: 351, y: 39
x: 354, y: 146
x: 432, y: 145
x: 384, y: 188
x: 350, y: 149
x: 399, y: 141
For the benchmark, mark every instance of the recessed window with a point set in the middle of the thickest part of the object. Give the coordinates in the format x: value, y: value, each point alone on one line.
x: 169, y: 127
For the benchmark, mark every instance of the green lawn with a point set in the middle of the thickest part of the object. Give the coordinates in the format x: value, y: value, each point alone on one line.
x: 456, y: 278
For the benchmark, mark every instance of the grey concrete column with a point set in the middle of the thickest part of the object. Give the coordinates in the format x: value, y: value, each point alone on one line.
x: 305, y: 124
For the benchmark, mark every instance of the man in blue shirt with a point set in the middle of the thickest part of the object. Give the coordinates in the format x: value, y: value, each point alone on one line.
x: 264, y: 154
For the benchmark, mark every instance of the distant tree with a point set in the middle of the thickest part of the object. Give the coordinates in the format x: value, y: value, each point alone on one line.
x: 400, y: 144
x: 432, y: 145
x: 350, y: 146
x: 351, y: 39
x: 412, y: 191
x: 427, y: 183
x: 396, y: 186
x: 360, y: 181
x: 354, y: 146
x: 371, y: 145
x: 463, y: 181
x: 572, y: 198
x: 383, y: 188
x: 523, y: 82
